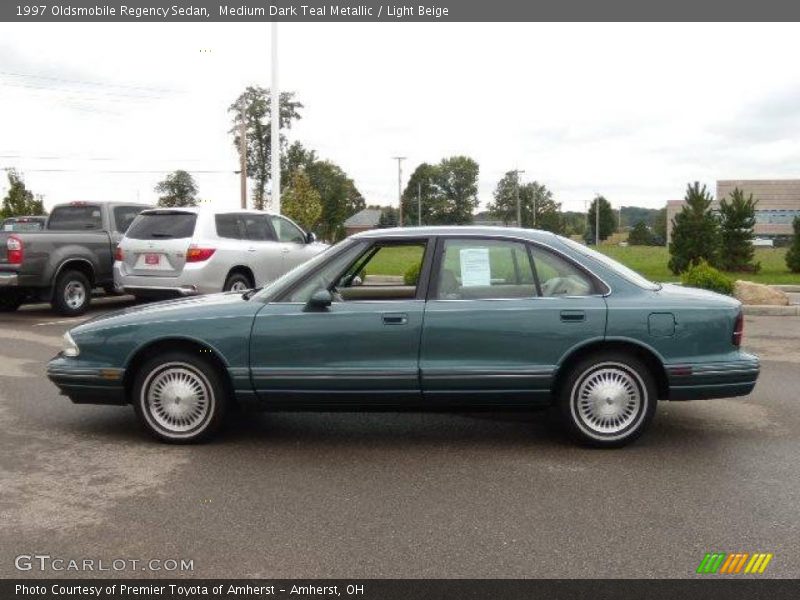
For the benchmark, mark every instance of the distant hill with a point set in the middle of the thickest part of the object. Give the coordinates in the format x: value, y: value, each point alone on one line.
x: 631, y: 215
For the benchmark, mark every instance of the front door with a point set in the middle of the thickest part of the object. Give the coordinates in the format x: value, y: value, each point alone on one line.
x: 363, y: 348
x: 500, y: 316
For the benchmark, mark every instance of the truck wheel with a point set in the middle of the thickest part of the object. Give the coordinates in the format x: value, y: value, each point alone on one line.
x: 9, y: 304
x: 72, y: 294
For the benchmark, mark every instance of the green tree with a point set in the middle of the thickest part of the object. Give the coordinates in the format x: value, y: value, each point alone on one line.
x: 389, y: 217
x: 608, y: 221
x: 177, y: 189
x: 793, y: 254
x: 302, y: 202
x: 533, y: 198
x: 640, y: 235
x: 449, y: 192
x: 20, y: 201
x: 254, y: 108
x: 737, y: 220
x: 695, y: 231
x: 338, y: 193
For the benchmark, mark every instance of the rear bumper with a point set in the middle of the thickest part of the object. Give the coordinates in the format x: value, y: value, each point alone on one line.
x: 189, y: 283
x: 9, y: 280
x: 87, y: 385
x: 700, y: 381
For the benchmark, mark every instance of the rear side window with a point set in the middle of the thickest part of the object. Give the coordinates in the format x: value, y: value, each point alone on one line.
x: 162, y: 225
x: 124, y: 216
x: 87, y: 216
x: 229, y: 226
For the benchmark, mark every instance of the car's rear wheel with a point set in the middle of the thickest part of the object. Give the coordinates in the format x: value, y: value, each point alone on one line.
x: 607, y: 400
x: 237, y: 282
x: 179, y: 398
x: 72, y: 294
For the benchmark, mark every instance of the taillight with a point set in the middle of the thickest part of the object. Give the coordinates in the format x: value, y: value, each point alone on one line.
x: 195, y: 254
x: 738, y: 330
x: 15, y: 250
x: 118, y: 254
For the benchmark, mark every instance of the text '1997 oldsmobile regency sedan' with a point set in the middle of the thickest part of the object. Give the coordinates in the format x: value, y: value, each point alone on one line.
x: 430, y: 318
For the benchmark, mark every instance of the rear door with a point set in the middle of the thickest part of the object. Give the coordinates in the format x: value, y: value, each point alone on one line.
x: 156, y: 242
x: 501, y: 314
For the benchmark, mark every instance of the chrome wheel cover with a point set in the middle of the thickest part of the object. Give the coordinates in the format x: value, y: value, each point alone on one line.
x: 239, y: 286
x: 608, y: 401
x: 178, y: 399
x: 74, y: 294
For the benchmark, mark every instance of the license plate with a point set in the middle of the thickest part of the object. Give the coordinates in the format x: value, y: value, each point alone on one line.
x: 152, y: 259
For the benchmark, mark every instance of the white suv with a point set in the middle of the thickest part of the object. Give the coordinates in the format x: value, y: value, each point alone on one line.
x: 186, y: 251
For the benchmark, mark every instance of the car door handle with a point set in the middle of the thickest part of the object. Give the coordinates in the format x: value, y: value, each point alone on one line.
x: 573, y: 316
x: 395, y: 319
x: 285, y: 250
x: 251, y: 249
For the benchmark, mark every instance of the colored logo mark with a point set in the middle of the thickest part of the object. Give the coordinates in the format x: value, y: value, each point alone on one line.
x: 734, y: 563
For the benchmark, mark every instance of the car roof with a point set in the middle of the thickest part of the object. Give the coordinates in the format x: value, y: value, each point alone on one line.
x: 412, y: 232
x: 207, y: 209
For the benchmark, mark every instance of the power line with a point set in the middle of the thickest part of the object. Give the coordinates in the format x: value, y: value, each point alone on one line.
x: 121, y: 171
x: 95, y: 83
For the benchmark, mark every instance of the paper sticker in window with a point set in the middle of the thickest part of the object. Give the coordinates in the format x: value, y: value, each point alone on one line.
x: 475, y: 267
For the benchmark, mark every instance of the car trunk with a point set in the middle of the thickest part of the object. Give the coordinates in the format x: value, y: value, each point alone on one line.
x: 157, y: 241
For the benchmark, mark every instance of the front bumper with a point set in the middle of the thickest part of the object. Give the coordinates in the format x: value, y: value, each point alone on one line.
x: 700, y: 381
x: 87, y: 384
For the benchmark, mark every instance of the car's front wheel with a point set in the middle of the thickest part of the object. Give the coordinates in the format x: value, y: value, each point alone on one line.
x: 179, y: 398
x: 607, y: 400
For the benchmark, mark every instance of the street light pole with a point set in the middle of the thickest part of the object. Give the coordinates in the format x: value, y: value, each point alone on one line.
x: 400, y: 160
x: 276, y: 124
x: 419, y: 204
x: 519, y: 206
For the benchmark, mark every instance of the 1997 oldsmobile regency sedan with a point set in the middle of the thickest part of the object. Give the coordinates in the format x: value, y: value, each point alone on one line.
x: 430, y: 318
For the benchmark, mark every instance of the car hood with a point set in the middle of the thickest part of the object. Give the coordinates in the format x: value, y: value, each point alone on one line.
x: 226, y: 302
x: 696, y: 296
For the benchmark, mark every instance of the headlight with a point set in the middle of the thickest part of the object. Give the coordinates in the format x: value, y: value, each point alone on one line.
x: 70, y: 347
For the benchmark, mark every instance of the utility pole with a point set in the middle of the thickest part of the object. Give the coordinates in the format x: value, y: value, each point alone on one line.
x: 400, y: 160
x: 243, y: 161
x: 419, y: 204
x: 519, y: 206
x: 276, y: 124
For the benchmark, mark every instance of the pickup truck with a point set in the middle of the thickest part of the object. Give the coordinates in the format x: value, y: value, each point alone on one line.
x: 65, y: 261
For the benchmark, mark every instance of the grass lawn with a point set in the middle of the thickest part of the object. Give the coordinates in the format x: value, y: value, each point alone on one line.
x: 651, y: 262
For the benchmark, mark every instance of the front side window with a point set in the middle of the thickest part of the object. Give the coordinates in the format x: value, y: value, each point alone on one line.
x: 477, y: 269
x: 312, y: 277
x: 385, y: 272
x: 287, y: 231
x: 558, y: 276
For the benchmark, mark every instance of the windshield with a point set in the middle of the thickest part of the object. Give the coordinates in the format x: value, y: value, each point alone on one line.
x: 618, y: 268
x: 291, y: 277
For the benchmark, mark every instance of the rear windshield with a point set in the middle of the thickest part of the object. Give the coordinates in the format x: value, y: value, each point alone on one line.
x: 86, y: 216
x: 162, y: 226
x: 124, y: 216
x: 22, y: 225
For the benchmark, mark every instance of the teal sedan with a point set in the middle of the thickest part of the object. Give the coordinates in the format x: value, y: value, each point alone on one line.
x: 431, y: 318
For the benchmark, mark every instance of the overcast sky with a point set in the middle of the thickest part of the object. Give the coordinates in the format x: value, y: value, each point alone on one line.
x: 632, y: 111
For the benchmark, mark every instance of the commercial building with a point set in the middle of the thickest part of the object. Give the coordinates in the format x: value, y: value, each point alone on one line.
x: 778, y: 204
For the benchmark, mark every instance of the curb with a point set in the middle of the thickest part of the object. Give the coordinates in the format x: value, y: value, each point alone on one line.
x: 767, y: 310
x: 792, y: 289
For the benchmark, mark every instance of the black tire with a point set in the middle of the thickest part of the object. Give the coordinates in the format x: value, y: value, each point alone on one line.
x: 72, y: 294
x: 237, y: 279
x: 607, y: 400
x: 156, y: 397
x: 9, y: 303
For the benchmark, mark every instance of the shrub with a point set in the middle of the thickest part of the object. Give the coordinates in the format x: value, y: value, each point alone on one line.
x: 412, y: 275
x: 702, y: 275
x: 793, y: 254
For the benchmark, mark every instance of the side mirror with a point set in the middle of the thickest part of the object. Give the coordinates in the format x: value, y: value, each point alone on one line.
x: 310, y: 237
x: 320, y: 300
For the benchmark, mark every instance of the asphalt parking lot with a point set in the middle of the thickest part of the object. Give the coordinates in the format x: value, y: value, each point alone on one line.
x: 388, y: 495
